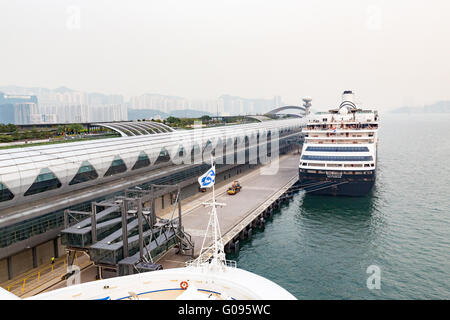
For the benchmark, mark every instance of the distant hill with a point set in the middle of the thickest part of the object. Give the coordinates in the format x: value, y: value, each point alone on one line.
x: 189, y: 113
x: 63, y: 90
x: 438, y: 107
x: 135, y: 114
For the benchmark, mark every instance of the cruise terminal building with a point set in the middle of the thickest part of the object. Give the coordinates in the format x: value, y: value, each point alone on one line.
x: 37, y: 184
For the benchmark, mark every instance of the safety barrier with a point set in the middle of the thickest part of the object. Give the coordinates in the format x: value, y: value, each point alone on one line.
x: 34, y: 278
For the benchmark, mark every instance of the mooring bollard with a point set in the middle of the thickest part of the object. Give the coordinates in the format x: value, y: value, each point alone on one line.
x: 236, y: 247
x: 262, y: 223
x: 264, y: 214
x: 227, y: 248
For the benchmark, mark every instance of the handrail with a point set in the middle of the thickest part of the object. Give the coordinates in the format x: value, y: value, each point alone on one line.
x: 36, y: 275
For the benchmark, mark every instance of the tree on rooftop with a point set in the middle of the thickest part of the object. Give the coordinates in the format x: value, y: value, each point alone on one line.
x: 35, y: 133
x: 76, y: 128
x: 205, y: 118
x: 173, y: 120
x: 8, y: 128
x: 60, y: 129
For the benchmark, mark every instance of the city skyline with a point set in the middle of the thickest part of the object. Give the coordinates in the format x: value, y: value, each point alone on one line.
x: 66, y: 105
x: 36, y: 105
x: 64, y: 94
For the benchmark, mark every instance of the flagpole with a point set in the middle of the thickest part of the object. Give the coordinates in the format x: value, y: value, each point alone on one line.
x: 213, y: 193
x: 217, y: 254
x: 214, y: 212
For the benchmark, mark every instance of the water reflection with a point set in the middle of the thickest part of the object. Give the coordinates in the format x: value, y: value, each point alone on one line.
x: 332, y: 212
x: 357, y: 207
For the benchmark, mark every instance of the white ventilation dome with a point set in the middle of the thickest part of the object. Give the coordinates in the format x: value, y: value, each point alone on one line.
x: 343, y: 110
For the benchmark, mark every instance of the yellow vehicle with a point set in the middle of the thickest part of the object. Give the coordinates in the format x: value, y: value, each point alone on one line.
x: 235, y: 188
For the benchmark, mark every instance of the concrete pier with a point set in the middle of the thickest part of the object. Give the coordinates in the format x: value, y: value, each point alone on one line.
x: 260, y: 195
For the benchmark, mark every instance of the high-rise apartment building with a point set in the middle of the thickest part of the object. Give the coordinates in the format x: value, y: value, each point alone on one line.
x: 26, y: 113
x: 14, y: 107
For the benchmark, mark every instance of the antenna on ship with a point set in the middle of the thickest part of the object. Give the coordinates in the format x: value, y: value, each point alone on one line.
x: 213, y: 255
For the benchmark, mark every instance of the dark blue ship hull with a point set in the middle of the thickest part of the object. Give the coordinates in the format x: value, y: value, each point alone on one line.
x: 352, y: 185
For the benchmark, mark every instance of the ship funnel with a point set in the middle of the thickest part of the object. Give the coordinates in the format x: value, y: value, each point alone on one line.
x: 348, y: 100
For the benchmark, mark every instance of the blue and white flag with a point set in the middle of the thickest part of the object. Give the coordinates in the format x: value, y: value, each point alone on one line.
x: 207, y: 180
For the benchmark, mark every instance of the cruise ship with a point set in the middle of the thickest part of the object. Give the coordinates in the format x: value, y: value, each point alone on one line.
x: 339, y: 155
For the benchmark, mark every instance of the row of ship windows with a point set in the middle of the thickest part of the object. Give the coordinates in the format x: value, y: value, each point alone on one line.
x: 338, y: 158
x: 312, y: 164
x: 343, y: 172
x: 337, y: 149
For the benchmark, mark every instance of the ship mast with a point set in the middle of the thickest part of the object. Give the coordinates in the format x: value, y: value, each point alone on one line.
x: 213, y: 255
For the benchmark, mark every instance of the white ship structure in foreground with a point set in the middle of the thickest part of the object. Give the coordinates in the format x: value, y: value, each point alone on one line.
x: 209, y: 277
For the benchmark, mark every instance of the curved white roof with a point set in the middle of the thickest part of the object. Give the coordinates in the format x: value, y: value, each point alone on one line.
x: 136, y: 128
x: 20, y: 167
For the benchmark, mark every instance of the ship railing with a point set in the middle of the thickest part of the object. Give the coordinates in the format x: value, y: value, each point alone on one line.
x: 204, y: 261
x: 339, y: 128
x: 231, y: 263
x: 349, y: 121
x: 339, y: 141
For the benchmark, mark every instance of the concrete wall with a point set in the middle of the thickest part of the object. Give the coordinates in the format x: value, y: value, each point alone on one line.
x: 189, y: 191
x: 45, y: 252
x: 22, y: 262
x: 167, y: 203
x: 61, y: 248
x: 3, y: 270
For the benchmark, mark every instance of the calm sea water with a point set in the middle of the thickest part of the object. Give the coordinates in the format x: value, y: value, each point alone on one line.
x: 320, y: 247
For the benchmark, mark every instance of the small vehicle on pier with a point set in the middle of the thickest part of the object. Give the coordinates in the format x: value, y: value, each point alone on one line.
x: 235, y: 188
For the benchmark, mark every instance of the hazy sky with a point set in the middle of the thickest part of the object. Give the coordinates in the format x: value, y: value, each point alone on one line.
x: 391, y: 53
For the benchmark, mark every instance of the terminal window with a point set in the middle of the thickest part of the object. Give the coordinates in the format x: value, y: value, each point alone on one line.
x: 5, y: 193
x: 117, y: 166
x: 85, y: 173
x: 142, y: 161
x: 45, y: 181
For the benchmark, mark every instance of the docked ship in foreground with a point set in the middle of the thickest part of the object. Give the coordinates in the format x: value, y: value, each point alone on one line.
x: 339, y: 155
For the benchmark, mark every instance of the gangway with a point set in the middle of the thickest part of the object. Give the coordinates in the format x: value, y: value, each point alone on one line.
x: 124, y: 234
